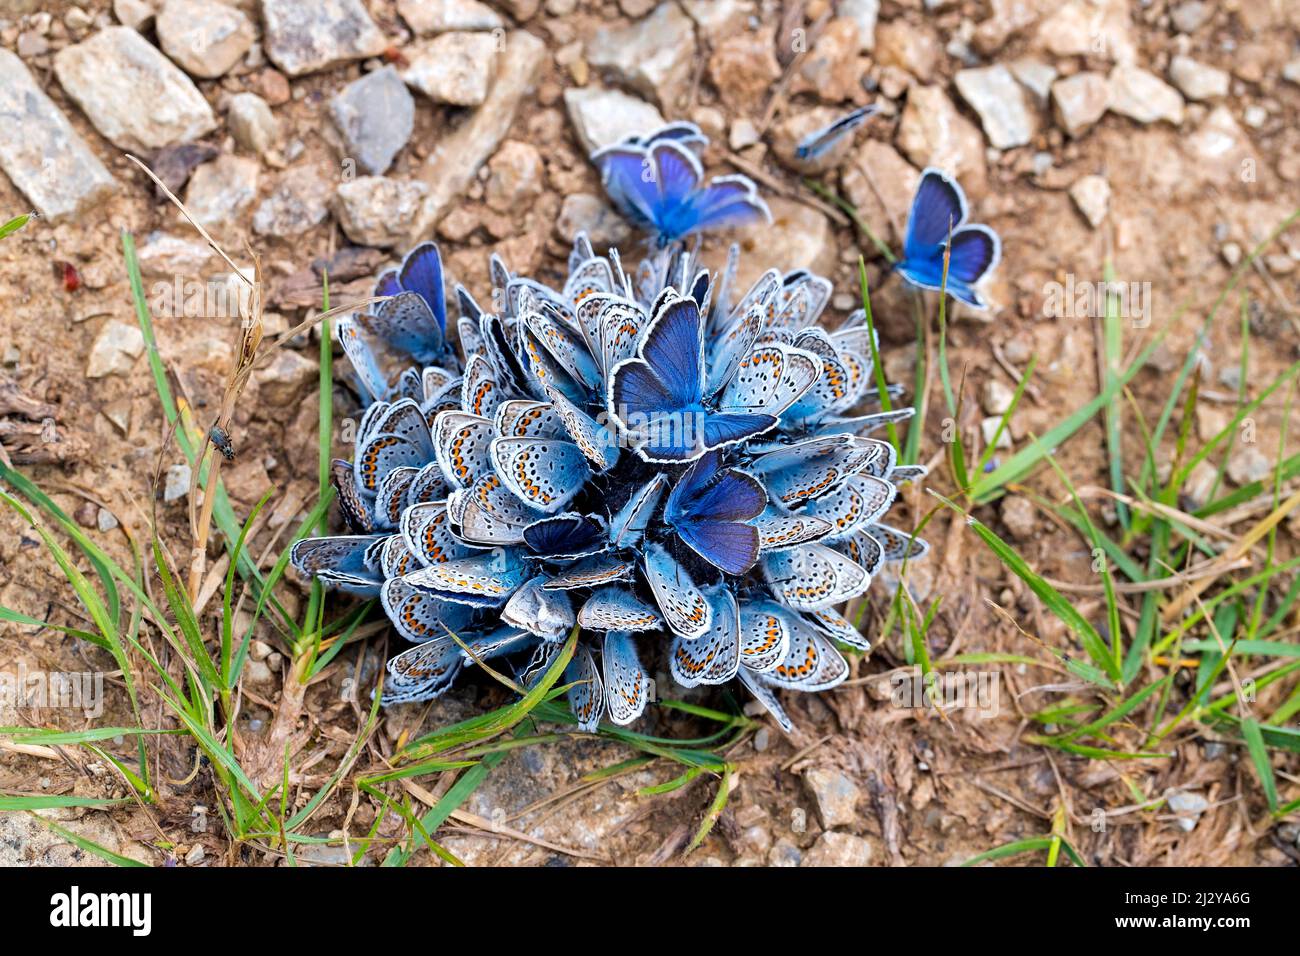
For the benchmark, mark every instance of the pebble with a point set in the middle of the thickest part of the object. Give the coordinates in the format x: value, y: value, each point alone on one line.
x: 284, y: 380
x: 221, y: 191
x: 1096, y: 28
x: 652, y: 56
x: 374, y: 116
x: 455, y: 161
x: 119, y: 414
x: 1189, y: 807
x: 1291, y: 72
x: 1190, y: 16
x: 880, y: 183
x: 205, y: 39
x: 441, y: 16
x: 900, y: 44
x: 933, y: 133
x: 1036, y: 76
x: 994, y: 94
x: 989, y: 427
x: 743, y: 68
x: 1019, y: 516
x: 1198, y: 81
x: 378, y: 211
x: 1143, y: 96
x: 1248, y: 464
x: 838, y: 849
x: 299, y: 202
x: 832, y: 68
x: 716, y: 18
x: 453, y: 68
x: 137, y: 98
x: 162, y: 254
x: 1079, y: 101
x: 114, y: 350
x: 996, y: 397
x: 743, y: 133
x: 252, y: 123
x: 835, y: 797
x: 1218, y: 144
x: 514, y: 176
x: 784, y: 853
x: 306, y: 37
x: 105, y: 520
x: 584, y: 212
x: 31, y: 44
x: 1091, y: 194
x: 176, y: 482
x: 604, y: 117
x: 195, y: 855
x: 49, y: 164
x: 135, y: 14
x: 864, y: 13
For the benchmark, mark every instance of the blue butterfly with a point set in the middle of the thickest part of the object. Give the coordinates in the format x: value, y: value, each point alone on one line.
x: 817, y: 143
x: 939, y: 210
x: 657, y: 184
x: 414, y: 319
x: 658, y: 395
x: 709, y: 508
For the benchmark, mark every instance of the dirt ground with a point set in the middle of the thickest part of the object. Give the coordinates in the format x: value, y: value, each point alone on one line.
x: 930, y: 792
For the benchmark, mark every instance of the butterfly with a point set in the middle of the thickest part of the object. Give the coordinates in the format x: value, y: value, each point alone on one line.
x: 658, y: 395
x: 414, y: 318
x: 817, y: 143
x: 659, y: 186
x: 710, y: 507
x: 937, y: 223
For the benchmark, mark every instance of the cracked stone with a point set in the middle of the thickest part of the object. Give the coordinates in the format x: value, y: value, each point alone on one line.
x: 137, y: 98
x: 49, y: 164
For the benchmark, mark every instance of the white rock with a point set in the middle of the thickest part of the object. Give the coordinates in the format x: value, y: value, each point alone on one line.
x: 377, y: 211
x: 996, y: 397
x: 1198, y: 81
x: 515, y: 176
x: 161, y: 254
x: 1097, y: 28
x: 220, y: 192
x: 1143, y: 96
x: 653, y: 56
x: 137, y: 98
x: 441, y: 16
x: 933, y: 133
x: 838, y: 849
x: 453, y: 68
x: 49, y: 163
x: 252, y: 123
x: 994, y: 94
x: 989, y: 428
x: 457, y: 158
x: 1291, y: 72
x: 1036, y: 76
x: 374, y: 116
x: 603, y: 117
x: 205, y: 38
x: 298, y: 203
x: 1079, y: 101
x: 1092, y: 195
x: 864, y: 13
x: 135, y: 14
x: 105, y: 520
x: 305, y: 37
x: 114, y: 350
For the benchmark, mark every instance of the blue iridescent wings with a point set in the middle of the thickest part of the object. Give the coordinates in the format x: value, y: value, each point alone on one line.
x: 818, y: 142
x: 938, y: 210
x: 657, y: 396
x: 659, y: 186
x: 710, y: 508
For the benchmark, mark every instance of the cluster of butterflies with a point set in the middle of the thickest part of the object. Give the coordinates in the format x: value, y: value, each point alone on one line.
x: 647, y: 456
x: 657, y: 182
